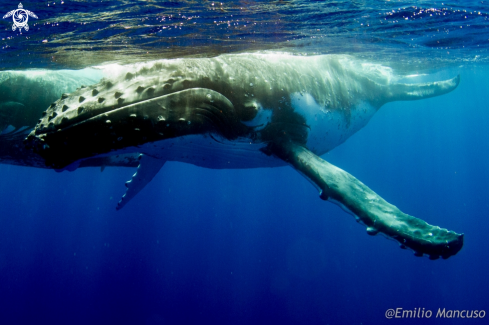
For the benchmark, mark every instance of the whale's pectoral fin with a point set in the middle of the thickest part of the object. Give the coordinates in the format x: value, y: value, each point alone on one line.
x: 369, y: 208
x: 147, y: 169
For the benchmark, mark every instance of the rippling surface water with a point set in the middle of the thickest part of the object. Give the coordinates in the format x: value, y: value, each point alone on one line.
x: 75, y: 34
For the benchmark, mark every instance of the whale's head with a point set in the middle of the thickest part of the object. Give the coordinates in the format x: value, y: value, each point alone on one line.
x: 167, y: 99
x: 126, y: 112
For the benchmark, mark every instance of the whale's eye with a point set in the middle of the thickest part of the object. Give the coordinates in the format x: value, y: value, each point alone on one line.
x: 248, y: 112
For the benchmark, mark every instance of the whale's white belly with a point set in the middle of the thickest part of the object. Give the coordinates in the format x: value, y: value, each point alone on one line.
x: 329, y: 128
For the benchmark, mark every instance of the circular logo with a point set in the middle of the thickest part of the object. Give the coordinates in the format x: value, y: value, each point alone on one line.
x: 20, y: 18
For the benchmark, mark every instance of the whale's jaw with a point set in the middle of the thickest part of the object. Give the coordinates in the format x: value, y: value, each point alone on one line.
x: 187, y: 112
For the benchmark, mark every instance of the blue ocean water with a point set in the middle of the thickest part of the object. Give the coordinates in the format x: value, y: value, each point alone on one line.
x: 255, y: 246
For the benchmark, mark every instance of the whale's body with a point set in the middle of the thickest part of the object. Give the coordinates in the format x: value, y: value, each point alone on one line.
x: 318, y: 101
x: 239, y: 111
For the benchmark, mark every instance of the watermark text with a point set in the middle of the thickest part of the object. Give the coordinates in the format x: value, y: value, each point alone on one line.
x: 427, y: 313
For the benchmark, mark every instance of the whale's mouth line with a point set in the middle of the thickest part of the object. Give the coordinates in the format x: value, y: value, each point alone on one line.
x: 128, y: 106
x: 106, y: 113
x: 110, y: 109
x: 185, y: 112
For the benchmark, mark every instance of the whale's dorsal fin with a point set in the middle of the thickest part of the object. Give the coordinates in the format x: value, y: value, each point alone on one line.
x: 379, y: 216
x: 147, y: 169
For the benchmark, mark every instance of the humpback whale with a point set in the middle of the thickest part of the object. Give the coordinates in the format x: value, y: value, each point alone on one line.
x: 240, y: 111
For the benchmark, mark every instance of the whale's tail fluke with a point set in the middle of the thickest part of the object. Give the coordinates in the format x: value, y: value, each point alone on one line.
x: 397, y: 92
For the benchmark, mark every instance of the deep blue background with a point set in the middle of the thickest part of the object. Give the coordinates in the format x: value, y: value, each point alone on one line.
x: 258, y: 246
x: 201, y: 246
